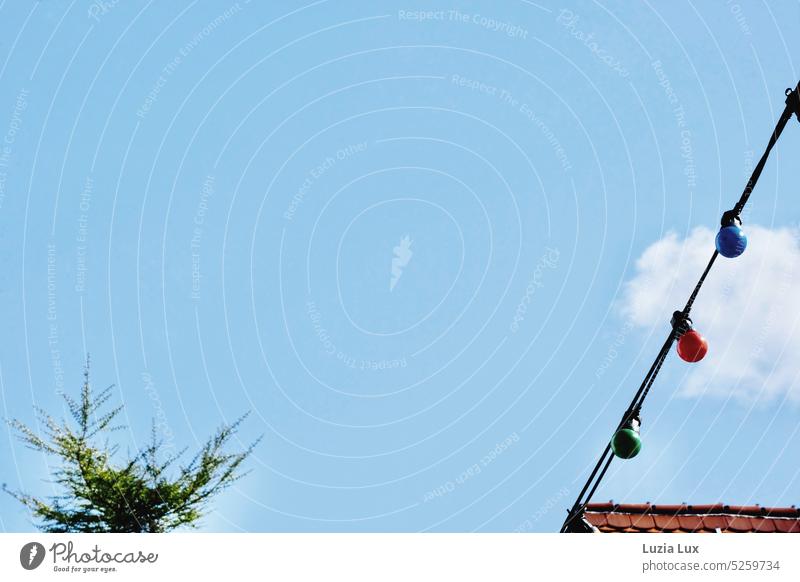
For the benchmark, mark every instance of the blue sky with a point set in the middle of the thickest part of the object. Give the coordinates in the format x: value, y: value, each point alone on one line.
x: 433, y: 249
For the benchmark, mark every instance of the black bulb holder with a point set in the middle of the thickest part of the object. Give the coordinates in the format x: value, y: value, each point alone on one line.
x: 793, y: 100
x: 681, y: 323
x: 634, y: 423
x: 730, y: 218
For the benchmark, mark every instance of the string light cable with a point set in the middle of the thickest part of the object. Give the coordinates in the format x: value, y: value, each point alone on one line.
x: 730, y: 242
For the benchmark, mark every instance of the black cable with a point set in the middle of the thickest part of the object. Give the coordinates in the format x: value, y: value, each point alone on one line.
x: 697, y: 287
x: 632, y: 410
x: 791, y: 108
x: 660, y: 361
x: 680, y: 319
x: 594, y: 487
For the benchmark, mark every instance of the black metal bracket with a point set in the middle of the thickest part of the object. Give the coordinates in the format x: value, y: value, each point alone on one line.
x: 680, y: 322
x: 730, y: 218
x: 793, y: 100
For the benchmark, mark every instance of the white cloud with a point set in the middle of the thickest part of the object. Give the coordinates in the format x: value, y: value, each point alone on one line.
x: 748, y: 310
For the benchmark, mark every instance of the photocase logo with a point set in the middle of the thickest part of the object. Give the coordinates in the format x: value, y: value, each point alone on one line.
x: 31, y: 555
x: 402, y: 256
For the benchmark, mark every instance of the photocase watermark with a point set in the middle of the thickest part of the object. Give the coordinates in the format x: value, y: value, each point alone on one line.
x: 100, y: 8
x: 569, y: 20
x: 612, y: 353
x: 318, y: 171
x: 474, y: 85
x: 546, y: 507
x: 95, y: 559
x: 10, y: 137
x: 687, y: 152
x: 481, y: 20
x: 749, y: 157
x: 82, y: 237
x: 738, y: 15
x: 549, y: 260
x: 160, y: 423
x: 402, y: 256
x: 32, y: 555
x: 52, y: 319
x: 172, y: 66
x: 473, y: 470
x: 506, y: 98
x: 348, y: 360
x: 67, y: 559
x: 548, y: 134
x: 206, y: 193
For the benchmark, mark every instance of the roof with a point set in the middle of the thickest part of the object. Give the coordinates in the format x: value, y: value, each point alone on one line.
x: 719, y: 518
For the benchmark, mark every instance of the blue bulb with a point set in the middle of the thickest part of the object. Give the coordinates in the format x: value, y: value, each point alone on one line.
x: 731, y: 241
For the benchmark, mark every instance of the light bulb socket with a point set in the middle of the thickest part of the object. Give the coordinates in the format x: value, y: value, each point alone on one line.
x: 681, y: 323
x: 731, y: 218
x: 793, y: 100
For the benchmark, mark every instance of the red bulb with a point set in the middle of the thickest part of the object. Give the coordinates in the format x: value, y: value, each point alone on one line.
x: 692, y: 347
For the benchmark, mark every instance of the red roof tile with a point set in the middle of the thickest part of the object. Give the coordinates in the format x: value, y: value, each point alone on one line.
x: 645, y: 518
x: 643, y: 521
x: 714, y: 522
x: 597, y: 519
x: 618, y: 520
x: 787, y: 525
x: 740, y: 524
x: 762, y: 525
x: 666, y: 522
x: 690, y: 523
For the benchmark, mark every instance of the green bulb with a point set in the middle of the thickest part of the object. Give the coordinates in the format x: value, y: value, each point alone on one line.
x: 626, y: 443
